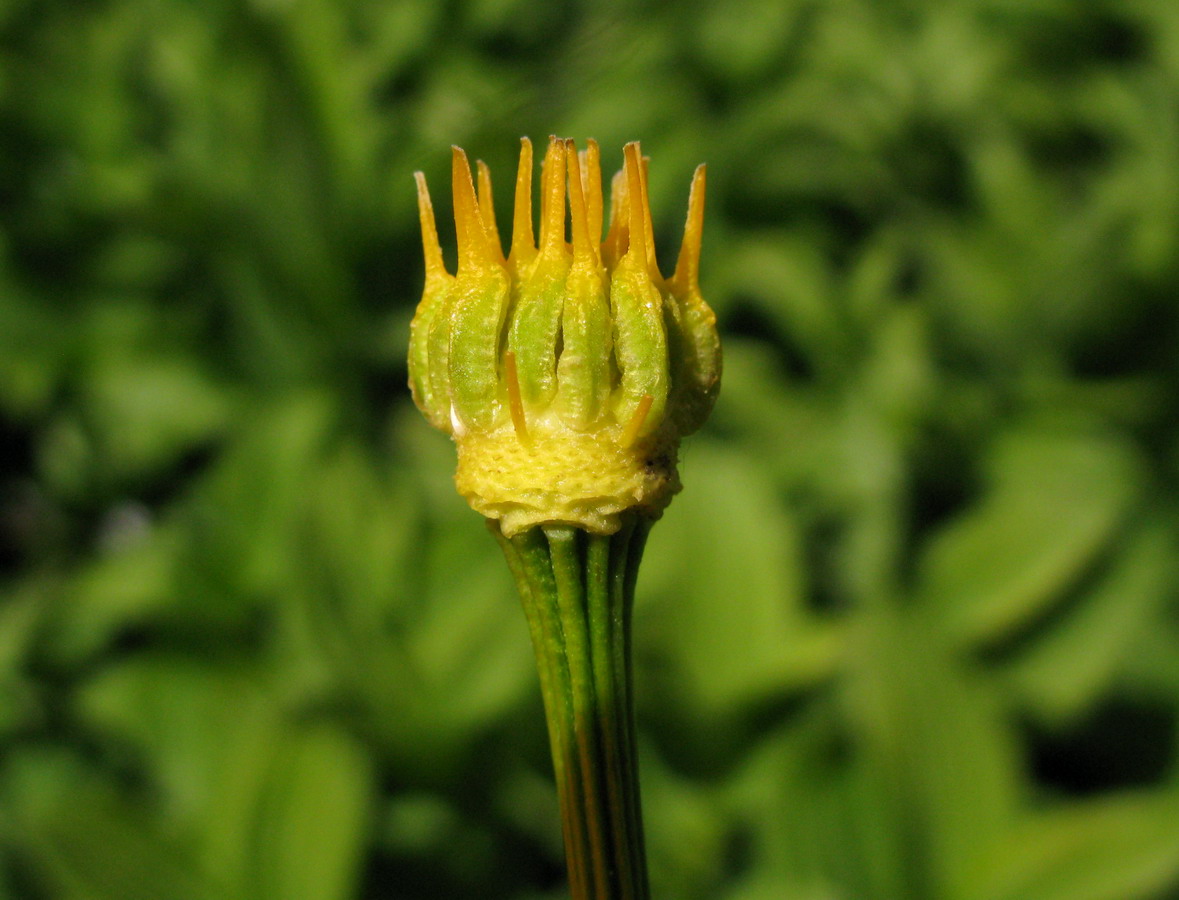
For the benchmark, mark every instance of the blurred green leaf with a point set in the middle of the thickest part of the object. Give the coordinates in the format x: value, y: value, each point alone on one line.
x: 1055, y: 500
x: 86, y: 841
x: 1120, y: 848
x: 939, y: 764
x: 1065, y: 671
x: 121, y: 589
x: 732, y: 628
x: 312, y: 823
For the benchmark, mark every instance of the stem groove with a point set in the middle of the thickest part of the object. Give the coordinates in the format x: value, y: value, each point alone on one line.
x: 577, y: 590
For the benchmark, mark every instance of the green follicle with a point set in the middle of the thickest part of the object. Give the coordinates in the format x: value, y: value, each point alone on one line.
x: 429, y: 389
x: 536, y: 327
x: 536, y: 322
x: 584, y: 371
x: 438, y: 358
x: 699, y: 368
x: 479, y: 306
x: 435, y: 406
x: 476, y: 321
x: 640, y: 344
x: 640, y: 335
x: 679, y: 356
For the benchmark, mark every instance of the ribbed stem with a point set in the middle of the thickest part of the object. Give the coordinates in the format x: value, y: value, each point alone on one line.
x: 578, y: 591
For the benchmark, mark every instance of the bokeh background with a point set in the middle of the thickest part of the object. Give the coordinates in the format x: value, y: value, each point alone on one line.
x: 912, y: 629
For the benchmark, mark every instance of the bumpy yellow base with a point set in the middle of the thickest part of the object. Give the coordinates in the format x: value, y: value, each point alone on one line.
x: 564, y: 477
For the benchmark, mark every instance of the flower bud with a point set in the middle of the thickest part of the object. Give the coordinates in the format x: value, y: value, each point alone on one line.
x: 568, y: 371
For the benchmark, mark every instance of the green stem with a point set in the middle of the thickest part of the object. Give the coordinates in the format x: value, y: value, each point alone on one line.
x: 578, y: 591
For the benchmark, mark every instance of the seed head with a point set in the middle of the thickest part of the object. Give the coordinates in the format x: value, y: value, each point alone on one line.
x: 567, y: 371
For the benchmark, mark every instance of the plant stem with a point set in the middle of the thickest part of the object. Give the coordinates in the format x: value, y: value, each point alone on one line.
x: 578, y: 592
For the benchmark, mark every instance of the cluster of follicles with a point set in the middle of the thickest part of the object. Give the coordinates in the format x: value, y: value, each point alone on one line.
x: 567, y: 370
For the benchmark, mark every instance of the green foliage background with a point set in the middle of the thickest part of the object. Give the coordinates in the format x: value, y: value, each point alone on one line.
x: 912, y: 629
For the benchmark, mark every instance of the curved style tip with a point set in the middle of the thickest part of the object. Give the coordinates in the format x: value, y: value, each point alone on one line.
x: 649, y: 228
x: 487, y: 208
x: 552, y: 201
x: 636, y: 220
x: 474, y: 247
x: 687, y: 268
x: 523, y: 239
x: 431, y: 248
x: 585, y: 249
x: 591, y: 186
